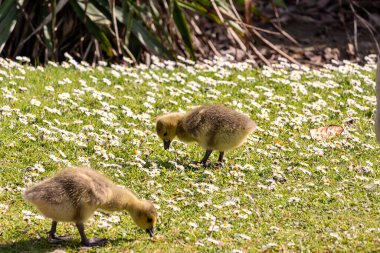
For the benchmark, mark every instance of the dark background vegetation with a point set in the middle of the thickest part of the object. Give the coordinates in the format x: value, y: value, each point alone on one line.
x: 303, y: 31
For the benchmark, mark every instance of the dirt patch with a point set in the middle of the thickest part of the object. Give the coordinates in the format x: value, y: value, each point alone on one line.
x: 324, y: 30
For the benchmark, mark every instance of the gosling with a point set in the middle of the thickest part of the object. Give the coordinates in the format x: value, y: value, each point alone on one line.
x: 74, y: 194
x: 213, y: 127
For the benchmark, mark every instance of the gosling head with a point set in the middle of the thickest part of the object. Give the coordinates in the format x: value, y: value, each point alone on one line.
x: 145, y: 216
x: 166, y: 127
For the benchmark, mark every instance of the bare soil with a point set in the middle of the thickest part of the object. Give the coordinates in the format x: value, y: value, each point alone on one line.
x: 324, y: 30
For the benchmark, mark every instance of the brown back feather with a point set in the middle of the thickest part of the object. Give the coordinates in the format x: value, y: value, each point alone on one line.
x: 78, y: 185
x: 215, y: 119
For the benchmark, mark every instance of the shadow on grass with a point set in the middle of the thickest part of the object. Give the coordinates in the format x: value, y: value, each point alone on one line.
x: 188, y: 165
x: 33, y: 245
x: 162, y: 163
x: 43, y: 246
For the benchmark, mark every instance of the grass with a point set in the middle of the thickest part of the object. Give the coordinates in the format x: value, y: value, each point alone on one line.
x: 281, y: 191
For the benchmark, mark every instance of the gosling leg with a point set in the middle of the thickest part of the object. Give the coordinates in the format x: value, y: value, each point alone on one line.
x: 221, y: 154
x: 220, y: 159
x: 92, y: 241
x: 53, y: 238
x: 205, y: 158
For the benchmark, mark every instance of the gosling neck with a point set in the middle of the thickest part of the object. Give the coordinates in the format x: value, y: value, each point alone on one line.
x: 177, y: 117
x: 122, y: 199
x: 182, y: 133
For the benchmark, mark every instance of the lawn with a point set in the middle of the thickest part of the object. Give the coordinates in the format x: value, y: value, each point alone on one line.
x: 282, y: 191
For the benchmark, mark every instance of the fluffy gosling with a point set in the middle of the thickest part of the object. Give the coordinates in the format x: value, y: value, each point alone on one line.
x: 74, y: 194
x: 213, y: 127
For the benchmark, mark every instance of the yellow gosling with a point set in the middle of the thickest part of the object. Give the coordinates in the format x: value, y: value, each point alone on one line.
x: 74, y: 194
x: 213, y: 127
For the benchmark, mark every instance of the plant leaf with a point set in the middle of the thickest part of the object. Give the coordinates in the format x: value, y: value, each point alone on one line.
x: 92, y: 27
x: 9, y: 11
x: 197, y: 8
x: 145, y: 37
x: 47, y: 39
x: 180, y: 20
x: 46, y: 20
x: 149, y: 40
x: 280, y: 3
x: 160, y: 23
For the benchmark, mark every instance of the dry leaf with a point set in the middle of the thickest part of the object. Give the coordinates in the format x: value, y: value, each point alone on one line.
x: 331, y: 53
x: 58, y: 251
x: 350, y: 49
x: 280, y: 142
x: 248, y: 13
x: 326, y: 132
x: 158, y: 238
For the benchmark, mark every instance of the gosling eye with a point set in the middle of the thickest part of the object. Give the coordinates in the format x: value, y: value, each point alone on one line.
x: 149, y: 220
x: 166, y: 133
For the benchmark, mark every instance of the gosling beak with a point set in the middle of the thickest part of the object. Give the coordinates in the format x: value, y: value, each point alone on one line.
x: 166, y: 144
x: 150, y: 232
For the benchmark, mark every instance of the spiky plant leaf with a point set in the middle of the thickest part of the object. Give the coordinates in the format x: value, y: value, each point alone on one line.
x: 181, y: 23
x: 93, y: 28
x: 9, y: 11
x: 145, y: 37
x: 200, y: 9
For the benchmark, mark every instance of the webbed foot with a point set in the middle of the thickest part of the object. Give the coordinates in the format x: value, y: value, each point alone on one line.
x: 207, y: 164
x: 93, y: 242
x: 219, y: 164
x: 59, y: 239
x: 196, y: 164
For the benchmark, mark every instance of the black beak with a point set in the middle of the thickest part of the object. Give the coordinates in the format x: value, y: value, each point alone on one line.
x: 150, y: 232
x: 166, y: 144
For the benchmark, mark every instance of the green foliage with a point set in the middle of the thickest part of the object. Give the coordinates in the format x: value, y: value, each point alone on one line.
x: 8, y: 15
x: 99, y: 29
x: 179, y: 19
x: 85, y: 16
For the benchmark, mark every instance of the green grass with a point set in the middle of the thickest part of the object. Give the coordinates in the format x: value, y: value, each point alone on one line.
x: 329, y: 201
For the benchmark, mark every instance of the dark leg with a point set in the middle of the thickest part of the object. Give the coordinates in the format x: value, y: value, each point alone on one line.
x: 92, y: 241
x: 220, y: 159
x: 205, y: 158
x: 53, y: 238
x: 221, y: 154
